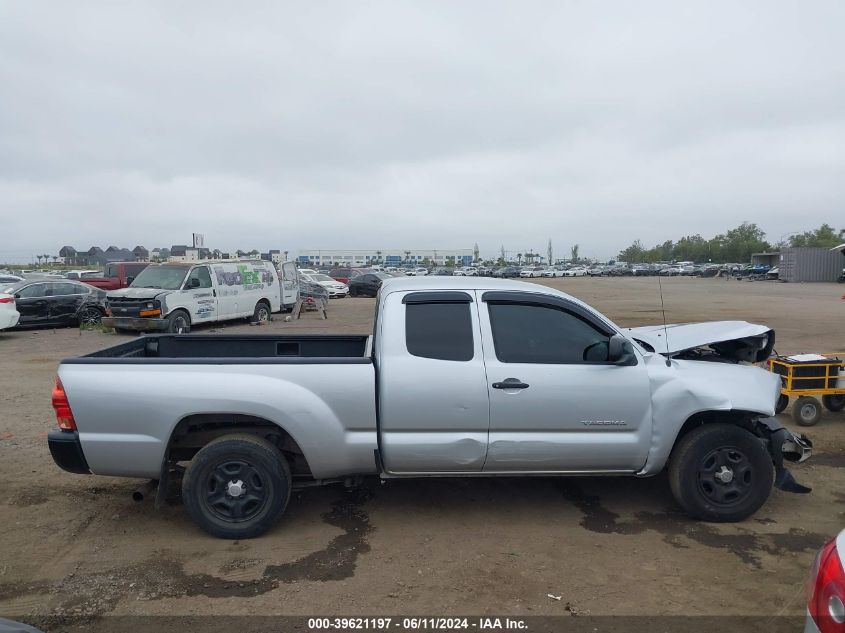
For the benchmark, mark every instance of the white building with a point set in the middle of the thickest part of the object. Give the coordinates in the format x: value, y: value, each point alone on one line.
x: 388, y: 257
x: 184, y: 254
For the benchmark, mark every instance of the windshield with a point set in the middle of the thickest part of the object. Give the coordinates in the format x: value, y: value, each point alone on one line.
x: 164, y: 277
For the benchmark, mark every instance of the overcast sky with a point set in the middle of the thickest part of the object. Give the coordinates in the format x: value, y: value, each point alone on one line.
x: 417, y: 124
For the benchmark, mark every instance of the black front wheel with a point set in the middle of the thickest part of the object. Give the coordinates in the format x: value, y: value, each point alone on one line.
x: 179, y: 322
x: 721, y: 473
x: 261, y: 313
x: 236, y: 486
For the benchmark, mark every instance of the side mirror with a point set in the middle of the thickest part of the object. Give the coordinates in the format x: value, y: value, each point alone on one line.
x: 620, y: 351
x: 129, y: 280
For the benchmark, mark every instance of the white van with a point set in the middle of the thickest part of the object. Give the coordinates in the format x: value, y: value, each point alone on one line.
x: 172, y: 297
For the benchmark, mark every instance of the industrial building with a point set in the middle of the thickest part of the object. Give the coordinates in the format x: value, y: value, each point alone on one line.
x: 803, y: 263
x: 388, y: 257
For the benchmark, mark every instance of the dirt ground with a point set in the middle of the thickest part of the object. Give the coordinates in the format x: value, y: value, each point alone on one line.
x: 78, y: 545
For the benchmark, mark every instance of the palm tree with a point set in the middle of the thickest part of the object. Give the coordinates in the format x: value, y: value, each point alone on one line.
x: 519, y: 258
x: 38, y: 257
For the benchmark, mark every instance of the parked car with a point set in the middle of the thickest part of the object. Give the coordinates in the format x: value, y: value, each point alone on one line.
x: 417, y: 272
x: 577, y: 271
x: 174, y: 297
x: 773, y: 273
x: 826, y: 589
x: 596, y: 271
x: 532, y: 271
x: 443, y: 272
x: 506, y: 272
x: 45, y: 302
x: 343, y: 275
x: 467, y: 271
x: 6, y: 279
x: 116, y: 275
x: 335, y: 288
x: 9, y: 315
x: 484, y: 271
x: 553, y: 271
x: 470, y: 377
x: 366, y: 285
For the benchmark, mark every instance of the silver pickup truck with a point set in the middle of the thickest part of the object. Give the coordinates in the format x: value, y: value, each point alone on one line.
x: 461, y: 377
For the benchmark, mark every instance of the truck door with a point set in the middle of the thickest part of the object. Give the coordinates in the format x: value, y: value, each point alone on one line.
x: 199, y: 296
x: 290, y: 284
x: 432, y: 389
x: 556, y: 404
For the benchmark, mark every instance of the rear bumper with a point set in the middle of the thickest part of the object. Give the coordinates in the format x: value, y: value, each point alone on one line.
x: 138, y: 324
x: 66, y: 450
x: 9, y: 319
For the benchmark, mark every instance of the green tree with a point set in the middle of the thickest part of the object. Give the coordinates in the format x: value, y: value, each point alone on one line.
x: 573, y: 253
x: 635, y: 253
x: 738, y: 244
x: 824, y: 236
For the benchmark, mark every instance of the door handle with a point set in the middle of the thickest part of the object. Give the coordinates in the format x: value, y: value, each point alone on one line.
x: 213, y: 292
x: 510, y: 383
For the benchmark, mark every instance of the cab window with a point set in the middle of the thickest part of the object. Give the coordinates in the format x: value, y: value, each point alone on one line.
x: 202, y: 277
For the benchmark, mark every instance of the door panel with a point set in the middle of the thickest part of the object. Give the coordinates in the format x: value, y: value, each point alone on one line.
x: 290, y: 284
x: 32, y: 304
x: 433, y: 407
x: 570, y: 415
x: 201, y: 299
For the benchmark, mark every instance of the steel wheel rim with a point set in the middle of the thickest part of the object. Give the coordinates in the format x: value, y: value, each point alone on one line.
x: 808, y: 411
x: 719, y: 487
x: 263, y: 314
x: 235, y: 491
x: 180, y: 324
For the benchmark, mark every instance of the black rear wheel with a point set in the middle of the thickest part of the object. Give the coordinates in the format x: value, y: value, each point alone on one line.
x: 262, y: 312
x: 236, y: 486
x: 89, y: 315
x: 720, y: 472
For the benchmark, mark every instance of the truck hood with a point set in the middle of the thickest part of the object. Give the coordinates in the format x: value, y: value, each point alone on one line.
x: 137, y: 293
x: 736, y: 340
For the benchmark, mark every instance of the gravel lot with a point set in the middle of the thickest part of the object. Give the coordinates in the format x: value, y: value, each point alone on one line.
x: 78, y: 545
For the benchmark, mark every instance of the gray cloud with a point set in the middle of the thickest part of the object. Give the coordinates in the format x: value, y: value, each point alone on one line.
x: 417, y: 124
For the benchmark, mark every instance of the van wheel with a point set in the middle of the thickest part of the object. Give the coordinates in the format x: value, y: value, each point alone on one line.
x: 720, y: 473
x: 807, y: 411
x: 236, y: 486
x: 262, y: 312
x: 179, y: 322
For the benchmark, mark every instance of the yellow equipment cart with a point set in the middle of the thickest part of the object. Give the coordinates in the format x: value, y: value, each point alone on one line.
x: 808, y: 376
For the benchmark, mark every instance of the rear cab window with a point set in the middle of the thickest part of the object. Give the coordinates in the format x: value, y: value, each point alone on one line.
x: 438, y: 325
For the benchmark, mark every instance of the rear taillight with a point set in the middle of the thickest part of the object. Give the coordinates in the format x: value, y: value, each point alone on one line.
x: 826, y: 603
x: 64, y: 416
x: 7, y: 299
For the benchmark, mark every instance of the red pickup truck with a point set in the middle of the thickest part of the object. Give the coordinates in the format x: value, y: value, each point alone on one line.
x: 116, y: 275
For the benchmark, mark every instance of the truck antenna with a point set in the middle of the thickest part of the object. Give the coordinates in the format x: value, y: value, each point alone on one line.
x: 665, y: 329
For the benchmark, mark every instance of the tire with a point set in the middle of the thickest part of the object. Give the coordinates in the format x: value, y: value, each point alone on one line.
x: 262, y: 312
x: 783, y: 402
x: 251, y: 465
x: 726, y: 450
x: 89, y: 315
x: 834, y: 402
x: 807, y: 411
x: 179, y: 322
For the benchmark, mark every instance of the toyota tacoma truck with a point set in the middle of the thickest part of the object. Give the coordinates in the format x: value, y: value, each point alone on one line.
x: 461, y: 377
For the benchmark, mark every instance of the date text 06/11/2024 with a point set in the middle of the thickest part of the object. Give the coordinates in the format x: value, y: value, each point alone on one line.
x: 415, y: 624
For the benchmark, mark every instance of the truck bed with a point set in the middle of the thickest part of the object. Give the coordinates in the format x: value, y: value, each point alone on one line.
x: 235, y: 348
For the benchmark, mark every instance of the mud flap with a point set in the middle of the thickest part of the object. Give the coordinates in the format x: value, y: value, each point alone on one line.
x: 785, y: 445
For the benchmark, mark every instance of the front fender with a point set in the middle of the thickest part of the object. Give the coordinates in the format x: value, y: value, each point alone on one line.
x: 687, y: 387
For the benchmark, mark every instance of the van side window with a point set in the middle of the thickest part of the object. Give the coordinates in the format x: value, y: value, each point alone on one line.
x: 544, y: 334
x: 439, y: 330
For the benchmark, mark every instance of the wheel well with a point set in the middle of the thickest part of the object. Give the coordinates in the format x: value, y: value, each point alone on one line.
x: 739, y: 418
x: 195, y: 431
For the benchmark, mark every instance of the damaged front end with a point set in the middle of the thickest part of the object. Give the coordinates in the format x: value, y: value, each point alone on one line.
x: 783, y: 444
